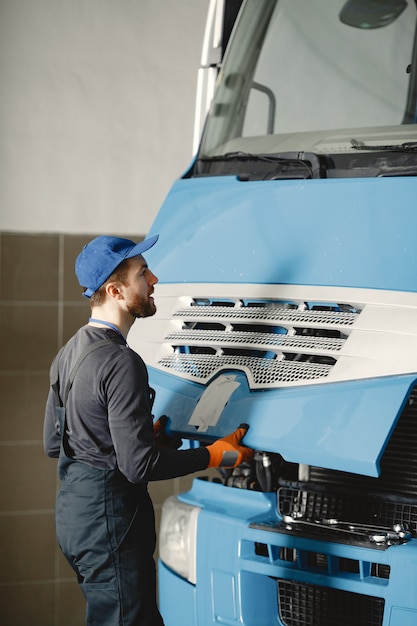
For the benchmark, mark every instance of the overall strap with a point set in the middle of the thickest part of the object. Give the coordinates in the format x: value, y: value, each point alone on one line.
x: 78, y: 362
x: 62, y: 398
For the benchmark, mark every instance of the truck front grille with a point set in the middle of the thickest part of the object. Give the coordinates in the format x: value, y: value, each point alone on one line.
x: 387, y: 501
x: 371, y: 509
x: 272, y: 342
x: 310, y: 605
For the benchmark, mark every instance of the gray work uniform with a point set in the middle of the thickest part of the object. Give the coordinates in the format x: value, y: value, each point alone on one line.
x: 104, y: 516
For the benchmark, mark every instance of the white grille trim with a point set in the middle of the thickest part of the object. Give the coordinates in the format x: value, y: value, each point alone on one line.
x: 373, y: 334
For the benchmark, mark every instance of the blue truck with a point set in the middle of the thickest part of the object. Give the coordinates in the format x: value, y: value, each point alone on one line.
x: 287, y: 300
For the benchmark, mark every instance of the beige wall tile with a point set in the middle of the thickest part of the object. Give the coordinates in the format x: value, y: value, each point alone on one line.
x: 158, y: 512
x: 71, y: 605
x: 29, y: 267
x: 28, y: 337
x: 28, y: 547
x: 64, y: 570
x: 23, y: 398
x: 75, y: 316
x: 28, y: 605
x: 73, y: 244
x: 27, y: 478
x: 161, y: 490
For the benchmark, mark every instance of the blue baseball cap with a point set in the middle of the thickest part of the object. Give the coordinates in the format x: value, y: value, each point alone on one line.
x: 99, y: 258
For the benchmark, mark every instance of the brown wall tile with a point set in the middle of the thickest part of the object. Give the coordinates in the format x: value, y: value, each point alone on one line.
x: 28, y: 605
x: 29, y: 267
x: 28, y: 547
x: 161, y: 490
x: 71, y: 605
x: 28, y: 337
x: 73, y: 244
x: 27, y: 478
x: 75, y: 316
x: 64, y: 570
x: 23, y: 396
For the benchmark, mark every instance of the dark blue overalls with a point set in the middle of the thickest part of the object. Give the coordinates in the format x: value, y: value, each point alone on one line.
x: 105, y: 527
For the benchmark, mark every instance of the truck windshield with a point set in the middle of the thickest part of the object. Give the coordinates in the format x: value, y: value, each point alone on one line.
x: 313, y: 75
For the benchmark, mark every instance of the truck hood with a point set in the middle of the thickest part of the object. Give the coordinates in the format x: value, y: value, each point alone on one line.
x: 340, y: 426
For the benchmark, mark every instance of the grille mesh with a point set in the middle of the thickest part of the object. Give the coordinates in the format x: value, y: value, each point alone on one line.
x: 351, y: 507
x: 263, y: 371
x: 309, y: 605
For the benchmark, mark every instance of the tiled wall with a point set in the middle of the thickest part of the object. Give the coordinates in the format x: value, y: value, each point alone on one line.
x: 41, y: 307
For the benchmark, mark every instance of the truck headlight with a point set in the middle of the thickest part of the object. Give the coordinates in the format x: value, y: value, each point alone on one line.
x: 177, y: 537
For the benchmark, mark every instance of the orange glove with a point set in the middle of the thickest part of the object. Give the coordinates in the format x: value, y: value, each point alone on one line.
x: 164, y: 439
x: 227, y: 452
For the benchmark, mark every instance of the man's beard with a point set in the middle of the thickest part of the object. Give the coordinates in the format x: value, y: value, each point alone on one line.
x: 141, y: 307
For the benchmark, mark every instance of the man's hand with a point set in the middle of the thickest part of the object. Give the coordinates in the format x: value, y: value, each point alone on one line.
x: 228, y: 451
x: 164, y: 439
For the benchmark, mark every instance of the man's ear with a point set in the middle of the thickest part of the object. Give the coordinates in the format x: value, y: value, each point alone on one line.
x: 113, y: 290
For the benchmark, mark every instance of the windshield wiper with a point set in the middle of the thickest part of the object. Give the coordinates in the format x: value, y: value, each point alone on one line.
x: 408, y: 146
x: 308, y: 160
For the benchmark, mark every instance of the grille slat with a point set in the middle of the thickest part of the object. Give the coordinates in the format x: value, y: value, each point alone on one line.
x: 275, y: 314
x: 247, y: 339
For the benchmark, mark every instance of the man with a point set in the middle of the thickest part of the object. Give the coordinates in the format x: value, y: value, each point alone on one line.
x: 98, y: 422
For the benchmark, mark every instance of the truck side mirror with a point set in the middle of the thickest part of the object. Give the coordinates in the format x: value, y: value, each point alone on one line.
x: 371, y: 13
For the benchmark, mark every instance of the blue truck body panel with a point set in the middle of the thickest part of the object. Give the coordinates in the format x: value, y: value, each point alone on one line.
x: 310, y: 232
x: 334, y: 425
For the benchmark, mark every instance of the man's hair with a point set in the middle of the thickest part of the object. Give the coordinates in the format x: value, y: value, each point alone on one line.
x: 118, y: 276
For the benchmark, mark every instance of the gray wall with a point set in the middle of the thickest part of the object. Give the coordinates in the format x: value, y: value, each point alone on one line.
x: 96, y: 110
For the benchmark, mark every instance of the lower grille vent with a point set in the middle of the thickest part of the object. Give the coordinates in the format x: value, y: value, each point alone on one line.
x: 314, y: 504
x: 264, y: 372
x: 309, y: 605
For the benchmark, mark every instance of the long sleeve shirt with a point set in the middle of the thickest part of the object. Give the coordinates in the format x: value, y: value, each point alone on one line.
x: 109, y: 422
